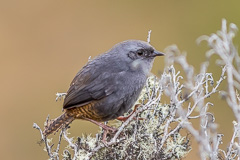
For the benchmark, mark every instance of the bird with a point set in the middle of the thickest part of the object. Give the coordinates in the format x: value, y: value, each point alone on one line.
x: 107, y: 86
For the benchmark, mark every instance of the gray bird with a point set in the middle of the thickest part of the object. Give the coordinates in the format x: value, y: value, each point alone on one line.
x: 107, y: 86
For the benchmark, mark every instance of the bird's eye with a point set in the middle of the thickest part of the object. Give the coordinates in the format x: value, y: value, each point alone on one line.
x: 140, y: 53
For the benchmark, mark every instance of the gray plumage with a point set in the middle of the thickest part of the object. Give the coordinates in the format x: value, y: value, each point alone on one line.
x: 107, y: 86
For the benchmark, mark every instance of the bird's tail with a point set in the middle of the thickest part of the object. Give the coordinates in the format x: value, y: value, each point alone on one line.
x: 62, y: 121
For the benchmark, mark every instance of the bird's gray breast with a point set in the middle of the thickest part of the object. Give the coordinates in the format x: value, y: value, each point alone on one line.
x: 128, y: 87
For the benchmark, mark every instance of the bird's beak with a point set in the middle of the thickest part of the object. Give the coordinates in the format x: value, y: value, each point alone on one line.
x: 157, y: 53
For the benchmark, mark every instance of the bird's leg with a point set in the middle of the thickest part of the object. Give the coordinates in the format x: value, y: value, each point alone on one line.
x: 105, y: 127
x: 122, y: 118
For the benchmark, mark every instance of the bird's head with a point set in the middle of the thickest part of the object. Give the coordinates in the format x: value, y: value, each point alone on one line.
x: 138, y: 55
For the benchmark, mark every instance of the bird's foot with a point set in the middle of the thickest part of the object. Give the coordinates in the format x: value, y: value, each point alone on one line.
x: 104, y: 137
x: 122, y: 118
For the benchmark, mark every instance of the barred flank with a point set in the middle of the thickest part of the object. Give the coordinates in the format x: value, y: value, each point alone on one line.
x: 62, y: 121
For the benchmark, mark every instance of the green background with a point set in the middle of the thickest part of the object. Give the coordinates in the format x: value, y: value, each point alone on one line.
x: 44, y: 43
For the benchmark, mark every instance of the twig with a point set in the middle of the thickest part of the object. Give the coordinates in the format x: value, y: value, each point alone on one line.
x: 149, y: 36
x: 70, y: 142
x: 60, y: 96
x: 44, y: 139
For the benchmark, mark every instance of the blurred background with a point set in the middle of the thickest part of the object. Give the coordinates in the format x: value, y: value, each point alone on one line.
x: 44, y: 43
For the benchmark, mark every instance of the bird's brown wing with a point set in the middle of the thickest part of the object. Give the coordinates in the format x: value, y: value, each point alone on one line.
x: 86, y: 88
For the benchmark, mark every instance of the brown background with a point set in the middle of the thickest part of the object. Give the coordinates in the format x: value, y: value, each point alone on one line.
x: 44, y: 43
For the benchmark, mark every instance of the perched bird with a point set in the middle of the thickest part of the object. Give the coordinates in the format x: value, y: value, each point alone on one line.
x: 107, y: 86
